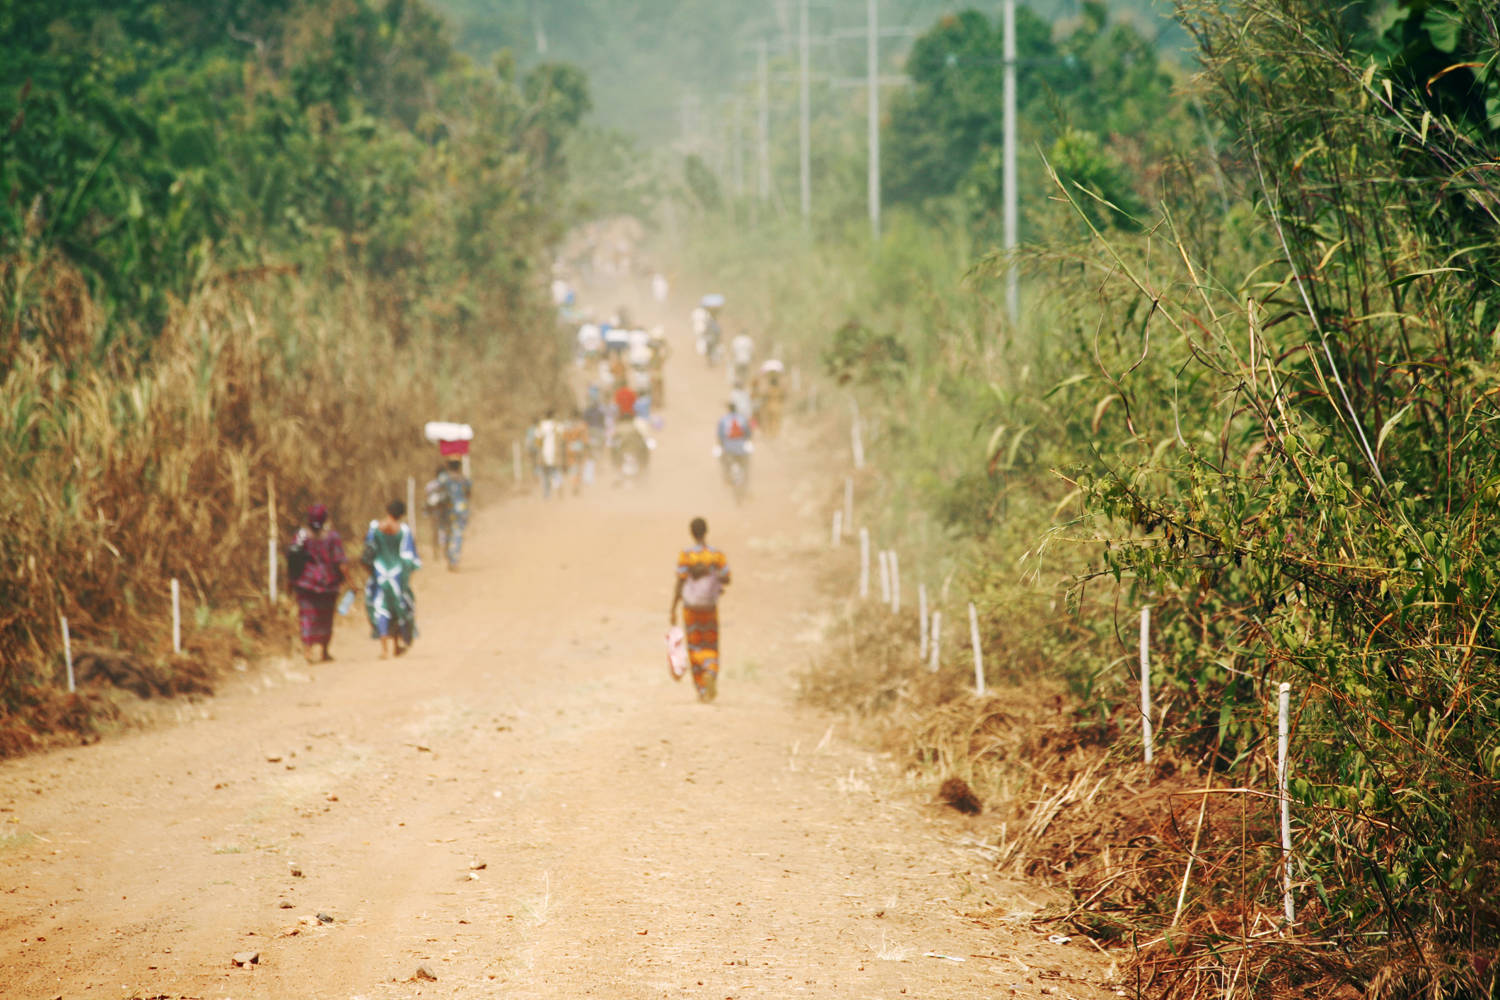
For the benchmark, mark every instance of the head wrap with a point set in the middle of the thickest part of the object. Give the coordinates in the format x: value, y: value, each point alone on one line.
x: 316, y: 515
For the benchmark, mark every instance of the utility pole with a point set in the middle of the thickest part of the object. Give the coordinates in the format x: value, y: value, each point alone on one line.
x: 736, y: 149
x: 805, y: 119
x: 1012, y: 275
x: 872, y: 61
x: 764, y: 123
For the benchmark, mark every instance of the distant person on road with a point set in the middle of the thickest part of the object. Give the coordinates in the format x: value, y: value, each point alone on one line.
x: 624, y: 400
x: 768, y: 398
x: 702, y: 575
x: 733, y: 435
x: 741, y: 354
x: 316, y: 561
x: 549, y: 449
x: 575, y: 436
x: 453, y: 513
x: 391, y: 556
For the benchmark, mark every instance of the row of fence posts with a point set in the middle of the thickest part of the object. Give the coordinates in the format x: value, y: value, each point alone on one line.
x: 67, y: 634
x: 930, y: 625
x: 887, y: 565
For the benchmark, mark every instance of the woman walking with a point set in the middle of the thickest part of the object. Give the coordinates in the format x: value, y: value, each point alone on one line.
x: 391, y: 555
x: 316, y: 562
x: 702, y: 575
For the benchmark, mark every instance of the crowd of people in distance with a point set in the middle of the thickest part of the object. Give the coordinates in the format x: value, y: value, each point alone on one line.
x: 624, y: 371
x: 623, y: 379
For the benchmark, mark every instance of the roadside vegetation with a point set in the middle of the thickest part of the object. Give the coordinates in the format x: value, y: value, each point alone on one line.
x: 242, y: 258
x: 1253, y: 389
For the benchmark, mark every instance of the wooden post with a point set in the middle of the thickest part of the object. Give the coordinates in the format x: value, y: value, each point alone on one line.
x: 176, y: 616
x: 1146, y: 680
x: 1283, y: 733
x: 849, y: 503
x: 978, y: 652
x: 933, y: 643
x: 895, y: 584
x: 271, y: 545
x: 885, y: 578
x: 922, y: 619
x: 68, y: 653
x: 864, y: 563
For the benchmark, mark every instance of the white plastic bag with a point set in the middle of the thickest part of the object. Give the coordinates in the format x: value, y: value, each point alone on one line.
x: 677, y: 653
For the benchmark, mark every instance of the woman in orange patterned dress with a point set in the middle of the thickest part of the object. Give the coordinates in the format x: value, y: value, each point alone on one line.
x: 702, y: 575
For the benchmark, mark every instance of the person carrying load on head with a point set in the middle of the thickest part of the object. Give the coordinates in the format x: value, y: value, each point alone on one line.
x: 712, y: 336
x: 768, y: 396
x: 447, y: 494
x: 453, y: 515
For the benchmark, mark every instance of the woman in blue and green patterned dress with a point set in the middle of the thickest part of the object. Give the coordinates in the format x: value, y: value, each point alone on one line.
x: 391, y: 556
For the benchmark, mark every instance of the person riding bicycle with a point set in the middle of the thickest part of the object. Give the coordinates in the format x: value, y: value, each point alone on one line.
x: 734, y: 440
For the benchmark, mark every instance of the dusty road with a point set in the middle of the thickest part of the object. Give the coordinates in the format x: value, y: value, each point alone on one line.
x: 526, y: 805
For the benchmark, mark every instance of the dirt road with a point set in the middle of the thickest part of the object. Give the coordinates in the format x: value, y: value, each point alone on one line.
x: 526, y: 805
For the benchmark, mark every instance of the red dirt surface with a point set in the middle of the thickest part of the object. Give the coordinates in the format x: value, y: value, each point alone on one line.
x: 526, y: 805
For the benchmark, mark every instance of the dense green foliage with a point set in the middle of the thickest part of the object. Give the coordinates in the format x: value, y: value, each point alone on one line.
x: 1091, y: 97
x: 1310, y: 457
x: 1270, y: 417
x: 242, y: 245
x: 151, y: 144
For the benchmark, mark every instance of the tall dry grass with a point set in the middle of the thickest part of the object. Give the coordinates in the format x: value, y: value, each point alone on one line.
x: 122, y: 473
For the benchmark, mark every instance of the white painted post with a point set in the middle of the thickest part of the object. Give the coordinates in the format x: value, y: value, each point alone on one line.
x: 864, y: 563
x: 1283, y: 730
x: 271, y: 563
x: 411, y: 498
x: 978, y: 653
x: 849, y: 502
x: 856, y: 444
x: 838, y: 527
x: 895, y: 583
x: 922, y: 619
x: 68, y: 653
x: 933, y: 643
x: 176, y: 616
x: 515, y: 460
x: 885, y: 578
x: 1146, y: 680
